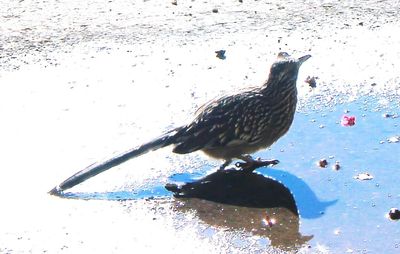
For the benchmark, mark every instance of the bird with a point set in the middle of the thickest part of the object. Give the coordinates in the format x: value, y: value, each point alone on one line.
x: 233, y: 126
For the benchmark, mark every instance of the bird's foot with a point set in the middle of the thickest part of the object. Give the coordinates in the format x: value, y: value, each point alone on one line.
x: 249, y: 165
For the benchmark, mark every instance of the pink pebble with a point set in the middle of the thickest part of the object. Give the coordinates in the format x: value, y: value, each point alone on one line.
x: 348, y: 120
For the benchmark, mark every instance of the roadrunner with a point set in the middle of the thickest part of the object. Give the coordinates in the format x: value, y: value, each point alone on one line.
x: 231, y: 127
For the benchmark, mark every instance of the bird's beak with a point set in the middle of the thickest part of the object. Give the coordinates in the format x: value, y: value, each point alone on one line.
x: 303, y: 59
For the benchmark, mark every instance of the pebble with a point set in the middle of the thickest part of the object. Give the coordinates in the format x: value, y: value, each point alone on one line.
x: 221, y: 54
x: 364, y: 176
x: 322, y: 163
x: 394, y: 214
x: 348, y: 120
x: 311, y: 81
x: 336, y: 166
x: 394, y: 139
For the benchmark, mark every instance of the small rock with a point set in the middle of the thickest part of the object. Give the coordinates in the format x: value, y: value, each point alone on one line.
x: 394, y: 139
x: 215, y: 10
x: 386, y: 115
x: 311, y: 81
x: 348, y: 121
x: 364, y: 176
x: 174, y: 2
x: 394, y: 214
x: 322, y: 126
x: 336, y: 166
x: 221, y: 54
x: 322, y: 163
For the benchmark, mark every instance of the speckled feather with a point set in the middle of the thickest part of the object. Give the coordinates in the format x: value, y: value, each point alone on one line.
x: 229, y: 127
x: 245, y: 122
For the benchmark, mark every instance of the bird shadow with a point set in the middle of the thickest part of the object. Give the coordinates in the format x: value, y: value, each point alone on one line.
x: 267, y: 188
x: 234, y: 187
x: 238, y: 200
x: 258, y: 203
x: 239, y: 188
x: 308, y: 204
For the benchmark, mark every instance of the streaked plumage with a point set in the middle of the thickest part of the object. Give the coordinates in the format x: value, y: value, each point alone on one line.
x: 232, y: 126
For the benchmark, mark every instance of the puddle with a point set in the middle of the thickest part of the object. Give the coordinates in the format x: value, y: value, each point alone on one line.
x: 336, y: 211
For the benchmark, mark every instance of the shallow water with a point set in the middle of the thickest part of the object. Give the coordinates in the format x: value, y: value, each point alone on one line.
x: 337, y: 211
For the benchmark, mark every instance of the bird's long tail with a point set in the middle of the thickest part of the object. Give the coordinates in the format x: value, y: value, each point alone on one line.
x: 99, y: 167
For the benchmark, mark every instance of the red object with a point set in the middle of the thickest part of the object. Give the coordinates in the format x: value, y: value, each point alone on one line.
x: 348, y: 120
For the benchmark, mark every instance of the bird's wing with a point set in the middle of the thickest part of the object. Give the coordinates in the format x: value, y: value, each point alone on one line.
x: 228, y: 121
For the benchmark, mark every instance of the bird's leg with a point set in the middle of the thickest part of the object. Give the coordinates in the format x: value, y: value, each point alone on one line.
x: 226, y: 163
x: 250, y: 164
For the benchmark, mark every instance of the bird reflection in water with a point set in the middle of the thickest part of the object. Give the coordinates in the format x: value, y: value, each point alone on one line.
x: 237, y: 200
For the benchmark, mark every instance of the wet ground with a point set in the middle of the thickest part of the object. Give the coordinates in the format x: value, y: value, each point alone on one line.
x: 83, y: 80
